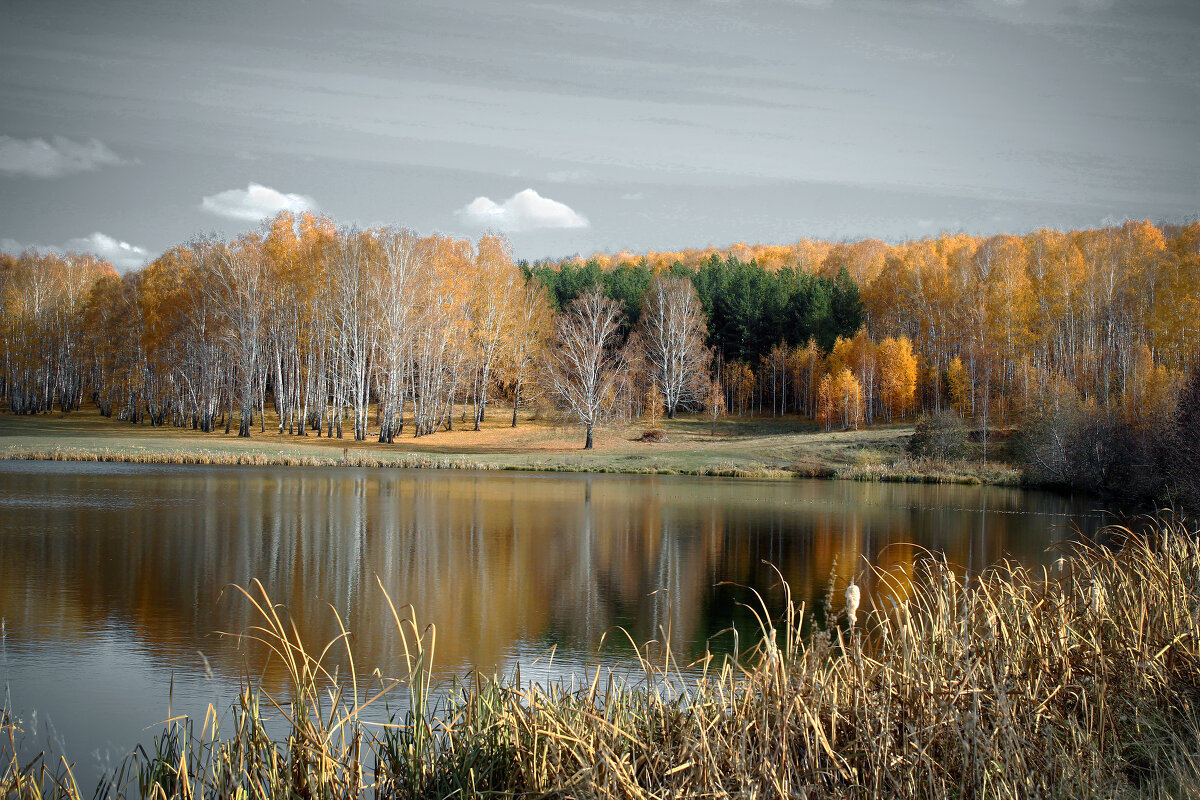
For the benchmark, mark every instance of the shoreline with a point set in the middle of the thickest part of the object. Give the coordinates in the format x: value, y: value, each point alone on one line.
x: 762, y: 448
x: 867, y: 473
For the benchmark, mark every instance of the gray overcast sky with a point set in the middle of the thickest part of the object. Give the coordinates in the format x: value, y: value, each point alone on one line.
x: 129, y: 126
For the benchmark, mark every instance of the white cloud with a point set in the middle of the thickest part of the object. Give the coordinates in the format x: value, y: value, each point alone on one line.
x: 59, y: 156
x: 526, y: 210
x: 122, y: 255
x: 256, y: 202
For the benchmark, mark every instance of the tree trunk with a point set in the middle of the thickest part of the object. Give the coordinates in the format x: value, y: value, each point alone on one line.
x: 588, y: 446
x: 516, y: 403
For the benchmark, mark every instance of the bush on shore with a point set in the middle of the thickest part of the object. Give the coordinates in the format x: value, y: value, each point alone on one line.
x: 940, y: 436
x: 1136, y: 454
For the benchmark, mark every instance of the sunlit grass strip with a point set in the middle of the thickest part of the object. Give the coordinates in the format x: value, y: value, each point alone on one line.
x: 900, y: 472
x: 257, y: 459
x: 1077, y: 682
x: 415, y: 461
x: 927, y: 471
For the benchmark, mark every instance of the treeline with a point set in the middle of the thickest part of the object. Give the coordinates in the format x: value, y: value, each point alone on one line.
x: 783, y: 340
x: 44, y: 304
x: 994, y: 321
x: 388, y: 332
x: 378, y: 328
x: 749, y: 309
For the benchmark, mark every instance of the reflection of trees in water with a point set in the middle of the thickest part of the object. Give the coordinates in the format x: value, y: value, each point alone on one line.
x: 495, y: 560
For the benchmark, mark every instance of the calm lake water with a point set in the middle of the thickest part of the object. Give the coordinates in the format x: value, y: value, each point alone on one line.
x: 114, y: 578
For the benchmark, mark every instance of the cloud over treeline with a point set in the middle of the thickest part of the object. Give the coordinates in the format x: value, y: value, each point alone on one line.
x: 525, y: 210
x: 39, y: 158
x: 256, y: 202
x: 121, y: 254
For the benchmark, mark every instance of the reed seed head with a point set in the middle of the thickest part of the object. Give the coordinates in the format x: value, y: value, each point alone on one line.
x: 853, y: 596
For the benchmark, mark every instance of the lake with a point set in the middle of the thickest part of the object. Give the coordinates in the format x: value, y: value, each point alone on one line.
x: 115, y: 579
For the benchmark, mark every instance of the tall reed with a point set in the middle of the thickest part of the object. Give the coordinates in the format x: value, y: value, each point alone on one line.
x: 1082, y: 682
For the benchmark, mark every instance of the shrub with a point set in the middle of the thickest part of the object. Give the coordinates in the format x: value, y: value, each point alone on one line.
x: 1126, y: 454
x: 941, y: 435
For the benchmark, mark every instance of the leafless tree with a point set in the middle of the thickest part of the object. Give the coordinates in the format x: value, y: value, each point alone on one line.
x: 584, y: 362
x: 672, y: 328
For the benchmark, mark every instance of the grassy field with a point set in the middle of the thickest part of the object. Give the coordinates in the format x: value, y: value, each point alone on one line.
x: 762, y: 447
x: 1082, y: 682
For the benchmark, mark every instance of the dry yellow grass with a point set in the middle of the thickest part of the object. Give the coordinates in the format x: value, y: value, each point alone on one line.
x: 763, y: 447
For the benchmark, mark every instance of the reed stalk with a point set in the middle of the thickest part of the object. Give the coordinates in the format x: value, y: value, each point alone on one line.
x: 1020, y: 682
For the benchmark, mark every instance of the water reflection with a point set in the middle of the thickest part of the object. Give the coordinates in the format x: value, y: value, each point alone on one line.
x: 506, y: 565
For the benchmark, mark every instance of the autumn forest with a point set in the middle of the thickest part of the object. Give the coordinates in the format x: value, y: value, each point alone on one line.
x: 382, y: 333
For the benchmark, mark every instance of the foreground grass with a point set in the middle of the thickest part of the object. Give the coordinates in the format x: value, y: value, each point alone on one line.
x: 760, y: 448
x: 1078, y: 683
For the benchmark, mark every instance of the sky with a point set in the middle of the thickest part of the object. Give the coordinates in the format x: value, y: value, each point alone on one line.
x: 127, y: 127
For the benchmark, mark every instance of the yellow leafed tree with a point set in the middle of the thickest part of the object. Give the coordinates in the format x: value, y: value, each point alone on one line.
x: 897, y: 377
x: 840, y: 400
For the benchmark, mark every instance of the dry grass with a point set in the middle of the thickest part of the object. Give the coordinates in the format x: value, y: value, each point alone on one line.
x: 756, y: 448
x: 1080, y: 682
x: 257, y: 459
x: 909, y: 470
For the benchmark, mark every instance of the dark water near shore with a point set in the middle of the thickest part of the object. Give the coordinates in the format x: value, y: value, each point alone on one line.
x: 114, y: 578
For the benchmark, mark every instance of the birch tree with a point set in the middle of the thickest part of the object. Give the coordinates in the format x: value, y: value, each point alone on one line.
x: 355, y: 323
x: 399, y: 257
x: 240, y: 281
x: 583, y: 364
x: 495, y: 285
x: 440, y: 332
x: 673, y: 329
x: 532, y: 331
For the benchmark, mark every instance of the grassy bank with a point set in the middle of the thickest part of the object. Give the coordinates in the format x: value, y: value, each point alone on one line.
x: 1081, y: 683
x: 761, y: 448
